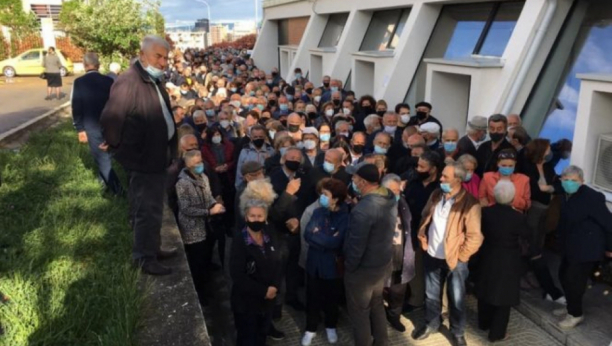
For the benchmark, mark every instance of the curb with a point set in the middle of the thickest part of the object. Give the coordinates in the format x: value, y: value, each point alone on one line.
x: 31, y: 122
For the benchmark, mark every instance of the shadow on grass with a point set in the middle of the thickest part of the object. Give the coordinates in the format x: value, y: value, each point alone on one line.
x: 65, y: 249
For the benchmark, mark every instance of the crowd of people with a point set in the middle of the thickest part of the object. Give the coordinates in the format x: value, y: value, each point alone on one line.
x: 360, y: 202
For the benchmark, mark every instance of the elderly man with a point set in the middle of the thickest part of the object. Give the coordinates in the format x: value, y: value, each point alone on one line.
x: 114, y: 70
x: 331, y: 168
x: 476, y: 132
x: 294, y: 125
x: 431, y: 134
x: 449, y: 235
x: 334, y: 85
x: 410, y: 161
x: 89, y: 96
x: 368, y: 249
x: 382, y: 143
x: 514, y: 121
x: 358, y: 142
x: 390, y: 123
x: 139, y: 130
x: 342, y: 128
x: 448, y: 150
x: 257, y: 150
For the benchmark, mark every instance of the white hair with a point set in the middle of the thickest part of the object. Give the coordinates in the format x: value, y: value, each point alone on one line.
x: 340, y: 123
x: 114, y: 67
x: 459, y: 171
x: 504, y: 192
x: 449, y: 130
x: 389, y: 178
x: 91, y: 59
x: 370, y: 119
x: 153, y: 40
x: 573, y: 170
x: 199, y: 114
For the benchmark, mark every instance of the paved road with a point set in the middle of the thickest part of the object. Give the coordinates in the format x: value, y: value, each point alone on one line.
x: 25, y: 99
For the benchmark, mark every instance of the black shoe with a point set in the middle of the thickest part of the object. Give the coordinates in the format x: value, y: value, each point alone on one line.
x: 48, y: 98
x: 396, y: 323
x: 407, y: 309
x: 459, y: 341
x: 275, y: 334
x: 166, y: 254
x: 423, y: 333
x: 296, y: 305
x: 152, y: 267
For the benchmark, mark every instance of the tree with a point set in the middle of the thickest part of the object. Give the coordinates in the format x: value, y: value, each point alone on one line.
x: 112, y: 28
x: 19, y: 22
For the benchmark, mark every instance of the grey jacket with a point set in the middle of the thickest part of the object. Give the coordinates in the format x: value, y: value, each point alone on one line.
x: 52, y: 63
x: 251, y: 153
x: 369, y: 240
x: 194, y: 202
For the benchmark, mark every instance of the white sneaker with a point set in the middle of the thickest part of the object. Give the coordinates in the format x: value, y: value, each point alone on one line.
x: 332, y: 336
x: 559, y: 312
x: 561, y: 300
x: 570, y: 321
x: 307, y: 338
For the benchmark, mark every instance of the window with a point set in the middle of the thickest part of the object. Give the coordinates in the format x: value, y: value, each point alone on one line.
x: 34, y: 55
x: 283, y: 32
x: 333, y: 30
x: 465, y: 30
x: 582, y: 47
x: 382, y: 33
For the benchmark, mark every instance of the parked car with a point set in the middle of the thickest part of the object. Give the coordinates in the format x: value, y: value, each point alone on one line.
x: 30, y: 62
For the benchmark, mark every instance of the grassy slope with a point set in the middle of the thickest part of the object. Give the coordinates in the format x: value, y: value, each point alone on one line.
x: 64, y: 249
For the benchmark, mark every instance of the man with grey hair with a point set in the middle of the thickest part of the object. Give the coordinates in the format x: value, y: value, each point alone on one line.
x: 476, y: 132
x: 139, y: 130
x: 449, y: 235
x: 114, y: 69
x: 89, y: 96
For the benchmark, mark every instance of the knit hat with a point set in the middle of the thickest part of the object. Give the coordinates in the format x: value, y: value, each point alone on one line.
x: 368, y: 172
x: 478, y: 123
x: 310, y: 131
x: 250, y: 167
x: 430, y: 128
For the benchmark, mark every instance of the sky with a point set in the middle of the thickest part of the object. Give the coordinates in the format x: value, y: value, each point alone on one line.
x: 188, y: 11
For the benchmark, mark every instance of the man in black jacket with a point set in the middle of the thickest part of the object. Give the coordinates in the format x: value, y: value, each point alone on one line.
x: 487, y: 152
x: 139, y: 130
x: 368, y: 247
x: 89, y: 95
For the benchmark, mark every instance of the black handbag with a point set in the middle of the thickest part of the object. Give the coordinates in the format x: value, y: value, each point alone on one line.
x: 43, y: 76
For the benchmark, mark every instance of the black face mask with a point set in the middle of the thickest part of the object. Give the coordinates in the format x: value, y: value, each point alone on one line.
x: 293, y: 128
x: 421, y: 176
x: 258, y: 142
x: 313, y: 115
x: 368, y: 110
x: 278, y: 93
x: 381, y: 113
x: 272, y: 103
x: 274, y: 74
x: 201, y: 127
x: 284, y: 122
x: 421, y: 115
x: 309, y: 91
x: 326, y: 85
x: 358, y: 148
x: 256, y: 226
x: 292, y: 165
x: 336, y: 102
x: 263, y: 121
x: 496, y: 137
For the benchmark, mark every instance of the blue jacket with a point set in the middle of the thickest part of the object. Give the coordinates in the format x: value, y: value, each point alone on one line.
x: 325, y: 235
x: 89, y: 95
x: 584, y: 226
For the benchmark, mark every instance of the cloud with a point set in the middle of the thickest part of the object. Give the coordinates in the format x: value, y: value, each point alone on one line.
x: 226, y: 10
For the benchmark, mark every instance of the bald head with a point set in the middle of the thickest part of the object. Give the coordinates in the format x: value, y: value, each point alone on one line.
x: 188, y: 142
x: 334, y: 156
x: 415, y: 140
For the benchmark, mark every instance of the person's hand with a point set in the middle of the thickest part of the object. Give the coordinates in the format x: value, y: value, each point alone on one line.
x: 271, y: 294
x: 103, y: 146
x: 293, y: 186
x: 217, y: 209
x: 82, y: 137
x: 292, y: 224
x: 219, y: 169
x: 224, y: 168
x: 609, y: 254
x: 546, y: 188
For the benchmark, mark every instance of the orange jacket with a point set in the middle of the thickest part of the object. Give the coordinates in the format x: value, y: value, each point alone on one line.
x: 463, y: 236
x: 522, y: 191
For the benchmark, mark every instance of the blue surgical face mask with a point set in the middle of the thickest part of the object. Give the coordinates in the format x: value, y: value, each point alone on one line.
x: 283, y: 151
x: 355, y: 188
x: 210, y: 113
x: 198, y: 169
x: 154, y: 71
x: 446, y: 188
x: 298, y: 75
x: 506, y: 171
x: 328, y: 167
x: 570, y: 186
x: 450, y: 147
x: 325, y: 137
x: 397, y: 198
x: 283, y: 107
x: 380, y: 150
x: 251, y: 93
x: 468, y: 176
x: 324, y: 201
x: 334, y: 89
x: 260, y: 107
x: 233, y: 90
x: 290, y: 97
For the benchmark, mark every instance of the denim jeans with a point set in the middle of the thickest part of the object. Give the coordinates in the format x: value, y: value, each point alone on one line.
x: 436, y: 273
x: 103, y: 161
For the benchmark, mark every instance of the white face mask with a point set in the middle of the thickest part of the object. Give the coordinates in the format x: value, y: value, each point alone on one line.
x: 224, y: 123
x: 310, y: 144
x: 405, y: 118
x: 346, y: 111
x: 317, y: 98
x: 216, y: 139
x: 329, y: 112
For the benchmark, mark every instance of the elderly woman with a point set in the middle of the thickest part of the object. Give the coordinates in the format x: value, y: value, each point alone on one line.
x: 506, y: 163
x: 584, y: 226
x: 472, y: 180
x: 254, y: 268
x: 403, y: 255
x: 195, y: 205
x: 500, y: 261
x: 325, y: 235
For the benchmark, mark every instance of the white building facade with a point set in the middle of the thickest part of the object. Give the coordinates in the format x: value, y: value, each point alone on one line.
x: 548, y: 60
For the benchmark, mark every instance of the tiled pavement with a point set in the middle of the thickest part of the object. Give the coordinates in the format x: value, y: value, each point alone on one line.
x: 522, y: 331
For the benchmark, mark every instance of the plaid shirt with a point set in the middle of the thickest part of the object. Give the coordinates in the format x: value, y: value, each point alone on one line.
x: 248, y: 239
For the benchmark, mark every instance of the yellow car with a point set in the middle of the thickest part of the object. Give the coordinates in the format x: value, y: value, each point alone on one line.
x: 31, y: 63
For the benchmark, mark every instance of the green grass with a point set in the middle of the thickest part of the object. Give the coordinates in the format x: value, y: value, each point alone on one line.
x: 64, y: 249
